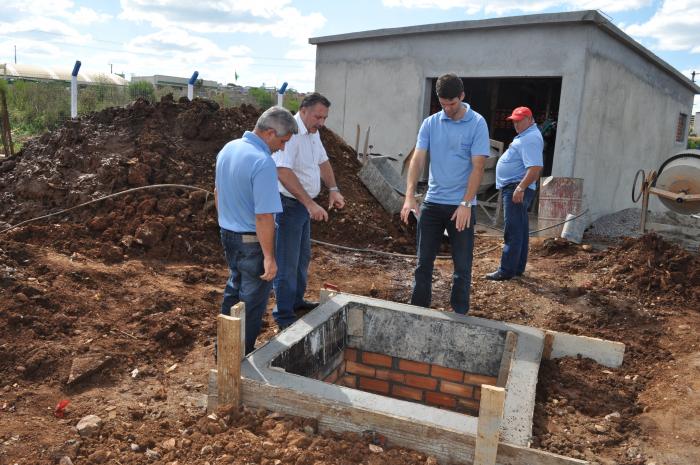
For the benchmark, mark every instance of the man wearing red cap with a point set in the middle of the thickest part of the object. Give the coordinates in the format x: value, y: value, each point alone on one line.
x: 517, y: 172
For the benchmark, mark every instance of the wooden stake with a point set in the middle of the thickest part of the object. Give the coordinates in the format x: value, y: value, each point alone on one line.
x: 238, y: 311
x: 228, y: 363
x: 5, y: 124
x: 357, y: 141
x: 365, y: 153
x: 490, y: 414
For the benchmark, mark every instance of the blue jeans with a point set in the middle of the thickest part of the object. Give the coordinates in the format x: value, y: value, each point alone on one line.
x: 516, y: 231
x: 434, y: 220
x: 246, y: 264
x: 293, y: 254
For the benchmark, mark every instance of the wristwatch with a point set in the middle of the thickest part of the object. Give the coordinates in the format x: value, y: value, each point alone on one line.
x: 333, y: 189
x: 467, y: 204
x: 519, y: 189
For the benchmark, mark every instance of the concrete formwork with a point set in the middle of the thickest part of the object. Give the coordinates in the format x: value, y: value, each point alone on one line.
x: 286, y: 373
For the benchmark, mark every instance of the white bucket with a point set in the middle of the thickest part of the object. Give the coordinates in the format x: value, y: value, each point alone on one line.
x: 573, y: 229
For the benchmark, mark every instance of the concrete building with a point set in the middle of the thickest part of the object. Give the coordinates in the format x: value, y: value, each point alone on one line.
x: 612, y: 106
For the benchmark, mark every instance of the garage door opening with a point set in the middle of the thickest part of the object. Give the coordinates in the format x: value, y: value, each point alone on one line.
x: 495, y: 98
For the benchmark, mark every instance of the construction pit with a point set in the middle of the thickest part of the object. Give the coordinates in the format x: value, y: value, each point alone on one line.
x: 411, y: 375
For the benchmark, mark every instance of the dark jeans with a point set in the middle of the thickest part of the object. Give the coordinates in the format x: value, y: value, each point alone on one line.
x: 246, y: 265
x: 434, y: 220
x: 293, y: 254
x: 516, y: 231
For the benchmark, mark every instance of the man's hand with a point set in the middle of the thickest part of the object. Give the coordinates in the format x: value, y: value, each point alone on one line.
x: 270, y: 269
x: 336, y: 200
x: 408, y: 205
x: 462, y: 218
x: 316, y: 212
x: 518, y: 196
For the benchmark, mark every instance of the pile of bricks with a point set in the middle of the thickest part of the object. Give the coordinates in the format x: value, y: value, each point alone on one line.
x: 424, y: 383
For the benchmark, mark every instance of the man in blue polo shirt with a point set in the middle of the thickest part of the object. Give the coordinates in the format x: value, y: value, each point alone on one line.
x: 517, y: 172
x: 247, y: 199
x: 458, y: 141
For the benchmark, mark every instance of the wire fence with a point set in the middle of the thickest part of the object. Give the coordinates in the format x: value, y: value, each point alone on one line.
x: 36, y: 106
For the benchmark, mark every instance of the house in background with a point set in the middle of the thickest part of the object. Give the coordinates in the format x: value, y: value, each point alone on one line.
x: 612, y: 106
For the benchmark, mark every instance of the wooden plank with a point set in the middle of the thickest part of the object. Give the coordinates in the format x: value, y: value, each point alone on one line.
x: 507, y: 358
x: 548, y: 342
x: 238, y: 311
x: 608, y: 353
x: 228, y: 362
x: 365, y: 153
x: 490, y: 415
x: 448, y: 446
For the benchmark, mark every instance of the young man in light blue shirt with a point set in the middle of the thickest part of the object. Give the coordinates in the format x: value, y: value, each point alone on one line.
x: 246, y: 200
x: 458, y: 141
x: 517, y: 172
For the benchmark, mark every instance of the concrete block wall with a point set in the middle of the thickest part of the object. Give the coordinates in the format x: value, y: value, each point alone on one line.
x: 409, y: 380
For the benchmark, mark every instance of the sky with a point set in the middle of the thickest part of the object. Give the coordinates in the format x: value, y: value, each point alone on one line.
x: 256, y: 42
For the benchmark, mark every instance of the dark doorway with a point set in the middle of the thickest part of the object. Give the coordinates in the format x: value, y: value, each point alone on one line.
x: 495, y: 98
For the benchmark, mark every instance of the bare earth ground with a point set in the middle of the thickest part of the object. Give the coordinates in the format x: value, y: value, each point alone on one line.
x: 113, y: 308
x: 153, y: 316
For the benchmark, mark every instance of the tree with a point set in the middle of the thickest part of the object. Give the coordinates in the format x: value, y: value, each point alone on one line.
x: 262, y: 96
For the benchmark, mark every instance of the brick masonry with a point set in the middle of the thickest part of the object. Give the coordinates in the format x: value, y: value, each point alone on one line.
x: 410, y: 380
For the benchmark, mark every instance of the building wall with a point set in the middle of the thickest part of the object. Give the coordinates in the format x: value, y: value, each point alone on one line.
x: 629, y: 117
x: 618, y: 111
x: 382, y: 83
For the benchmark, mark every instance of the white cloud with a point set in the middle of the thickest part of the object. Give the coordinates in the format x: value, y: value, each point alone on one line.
x: 675, y: 26
x: 176, y: 52
x: 274, y: 17
x: 87, y: 16
x: 45, y: 28
x: 500, y: 7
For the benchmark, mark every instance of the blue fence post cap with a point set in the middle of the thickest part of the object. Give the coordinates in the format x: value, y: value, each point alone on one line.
x: 193, y: 79
x: 76, y: 68
x: 283, y: 88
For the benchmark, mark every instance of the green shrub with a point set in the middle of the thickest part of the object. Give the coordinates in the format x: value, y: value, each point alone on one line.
x: 142, y: 89
x: 262, y: 96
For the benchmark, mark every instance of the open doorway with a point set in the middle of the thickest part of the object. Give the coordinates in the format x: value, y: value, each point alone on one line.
x: 495, y: 98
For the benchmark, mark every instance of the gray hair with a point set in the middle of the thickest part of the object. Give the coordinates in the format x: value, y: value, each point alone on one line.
x: 279, y: 119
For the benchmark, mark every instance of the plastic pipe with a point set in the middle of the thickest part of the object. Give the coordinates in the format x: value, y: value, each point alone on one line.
x: 190, y: 85
x: 74, y: 90
x: 280, y: 94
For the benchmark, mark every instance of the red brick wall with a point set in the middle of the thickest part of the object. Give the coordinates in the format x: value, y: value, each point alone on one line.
x: 408, y: 380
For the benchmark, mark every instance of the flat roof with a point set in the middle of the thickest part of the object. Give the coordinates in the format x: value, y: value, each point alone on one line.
x: 586, y: 16
x: 24, y: 71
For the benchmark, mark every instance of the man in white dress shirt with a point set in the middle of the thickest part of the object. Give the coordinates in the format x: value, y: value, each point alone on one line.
x: 301, y: 167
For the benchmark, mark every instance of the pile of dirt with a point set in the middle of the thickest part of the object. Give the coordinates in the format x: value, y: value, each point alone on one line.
x: 163, y: 143
x: 657, y: 270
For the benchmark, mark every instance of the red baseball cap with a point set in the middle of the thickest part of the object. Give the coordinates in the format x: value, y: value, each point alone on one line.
x: 520, y: 113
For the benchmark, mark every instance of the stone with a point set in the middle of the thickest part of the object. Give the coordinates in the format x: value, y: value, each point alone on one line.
x: 89, y: 425
x: 613, y: 416
x: 431, y: 461
x: 152, y: 454
x: 298, y: 439
x: 135, y: 447
x: 87, y: 365
x: 206, y: 450
x: 99, y: 456
x: 599, y: 428
x: 375, y: 449
x: 65, y: 460
x: 169, y: 444
x: 278, y: 433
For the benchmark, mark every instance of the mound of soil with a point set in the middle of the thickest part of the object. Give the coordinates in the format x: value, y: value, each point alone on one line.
x: 652, y: 267
x: 164, y: 143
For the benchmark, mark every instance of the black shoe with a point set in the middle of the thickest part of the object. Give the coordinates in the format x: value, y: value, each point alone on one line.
x: 307, y: 305
x: 497, y: 276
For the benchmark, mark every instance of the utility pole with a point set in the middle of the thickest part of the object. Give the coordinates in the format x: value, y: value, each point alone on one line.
x: 110, y: 68
x: 693, y: 75
x: 15, y: 54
